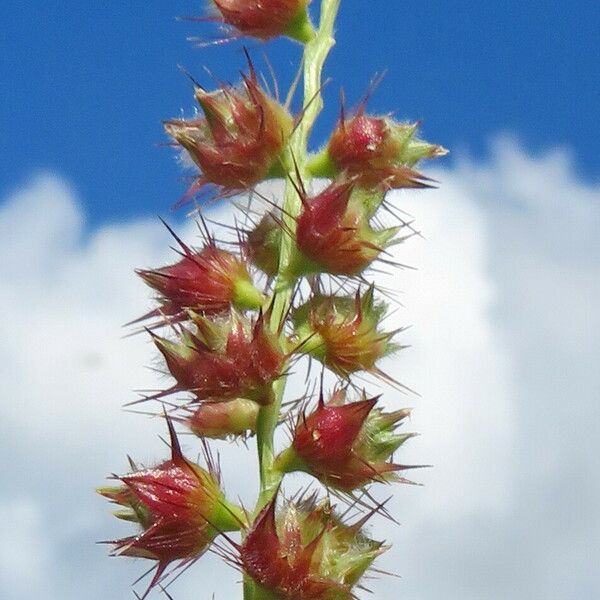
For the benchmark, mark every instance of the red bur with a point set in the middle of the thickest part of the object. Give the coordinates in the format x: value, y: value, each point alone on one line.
x: 240, y: 139
x: 174, y: 502
x: 203, y: 281
x: 325, y: 438
x: 343, y: 332
x: 328, y: 444
x: 366, y: 148
x: 332, y: 236
x: 263, y: 19
x: 358, y: 141
x: 281, y: 563
x: 244, y: 367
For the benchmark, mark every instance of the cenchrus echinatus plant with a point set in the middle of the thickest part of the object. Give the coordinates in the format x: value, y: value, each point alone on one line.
x: 231, y: 320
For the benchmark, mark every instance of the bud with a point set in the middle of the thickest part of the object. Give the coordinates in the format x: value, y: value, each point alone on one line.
x: 262, y: 244
x: 239, y: 140
x: 220, y: 420
x: 306, y: 552
x: 334, y: 234
x: 179, y: 506
x: 341, y: 332
x: 208, y: 281
x: 226, y: 359
x: 380, y: 152
x: 346, y: 446
x: 266, y: 19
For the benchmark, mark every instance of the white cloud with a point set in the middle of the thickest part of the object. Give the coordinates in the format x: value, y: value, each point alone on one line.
x: 503, y: 355
x: 24, y: 547
x: 540, y: 252
x: 456, y: 361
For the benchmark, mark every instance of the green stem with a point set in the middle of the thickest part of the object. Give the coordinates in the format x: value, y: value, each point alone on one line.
x: 301, y: 29
x: 320, y: 164
x: 315, y: 54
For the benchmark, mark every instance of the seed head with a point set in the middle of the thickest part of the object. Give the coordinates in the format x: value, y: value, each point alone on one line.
x: 342, y: 332
x: 266, y: 19
x: 240, y: 138
x: 224, y: 359
x: 346, y: 445
x: 334, y: 234
x: 208, y: 281
x: 223, y: 419
x: 380, y: 152
x: 179, y: 506
x: 306, y: 552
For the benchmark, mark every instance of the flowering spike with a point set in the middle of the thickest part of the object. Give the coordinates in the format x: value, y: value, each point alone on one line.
x: 209, y: 281
x: 306, y: 552
x: 334, y: 234
x: 342, y: 333
x: 380, y: 152
x: 346, y: 445
x: 227, y: 359
x: 179, y: 506
x: 229, y: 347
x: 240, y: 139
x: 266, y: 19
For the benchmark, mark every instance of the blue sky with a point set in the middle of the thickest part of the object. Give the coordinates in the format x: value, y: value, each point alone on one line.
x: 502, y: 307
x: 85, y: 85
